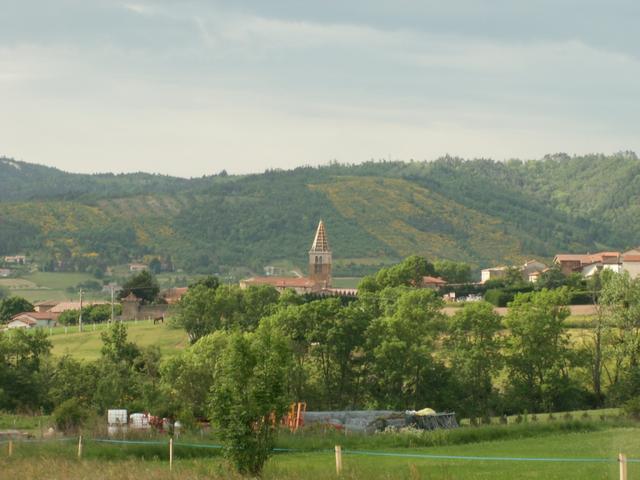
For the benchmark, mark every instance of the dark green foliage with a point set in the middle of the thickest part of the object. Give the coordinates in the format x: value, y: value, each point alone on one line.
x: 23, y: 382
x: 12, y: 306
x: 90, y: 314
x: 70, y: 415
x: 501, y: 297
x: 203, y: 310
x: 209, y: 224
x: 143, y: 285
x: 249, y: 395
x: 453, y: 272
x: 407, y: 273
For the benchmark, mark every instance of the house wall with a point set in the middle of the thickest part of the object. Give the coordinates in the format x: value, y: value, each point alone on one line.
x: 17, y: 324
x: 633, y: 268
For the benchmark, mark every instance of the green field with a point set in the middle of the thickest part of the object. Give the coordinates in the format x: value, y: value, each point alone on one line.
x: 345, y: 282
x: 49, y: 286
x: 86, y: 345
x: 381, y: 460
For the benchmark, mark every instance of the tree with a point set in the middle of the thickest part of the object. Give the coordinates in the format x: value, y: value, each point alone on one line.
x: 155, y: 266
x: 188, y: 377
x: 453, y: 272
x: 249, y: 395
x: 408, y: 273
x: 210, y: 281
x: 23, y: 383
x: 12, y: 306
x: 473, y: 347
x: 538, y: 353
x: 115, y: 346
x: 400, y: 346
x: 143, y: 285
x: 619, y: 301
x: 203, y: 310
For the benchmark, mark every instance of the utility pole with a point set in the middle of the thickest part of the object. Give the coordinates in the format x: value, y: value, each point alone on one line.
x: 80, y: 319
x: 112, y: 292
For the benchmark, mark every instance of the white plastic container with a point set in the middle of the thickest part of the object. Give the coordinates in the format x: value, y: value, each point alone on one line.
x: 116, y: 417
x: 139, y: 421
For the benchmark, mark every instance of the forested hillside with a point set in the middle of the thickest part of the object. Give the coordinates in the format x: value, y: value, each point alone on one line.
x: 479, y: 211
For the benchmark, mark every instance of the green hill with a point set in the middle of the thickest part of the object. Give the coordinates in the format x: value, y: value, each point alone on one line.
x: 480, y: 211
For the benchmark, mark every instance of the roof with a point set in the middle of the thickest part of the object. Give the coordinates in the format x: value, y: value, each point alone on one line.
x: 131, y: 297
x: 282, y: 282
x: 34, y: 316
x: 631, y: 258
x: 26, y: 320
x: 494, y: 268
x: 433, y: 280
x: 588, y: 258
x: 46, y: 302
x: 173, y: 295
x: 320, y: 242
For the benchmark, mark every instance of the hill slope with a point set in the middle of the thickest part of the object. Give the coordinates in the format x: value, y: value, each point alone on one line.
x: 480, y: 211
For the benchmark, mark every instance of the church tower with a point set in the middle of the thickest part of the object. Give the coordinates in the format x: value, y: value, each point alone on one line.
x: 320, y: 258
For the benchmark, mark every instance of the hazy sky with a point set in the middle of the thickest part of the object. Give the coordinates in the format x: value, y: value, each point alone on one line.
x: 192, y: 87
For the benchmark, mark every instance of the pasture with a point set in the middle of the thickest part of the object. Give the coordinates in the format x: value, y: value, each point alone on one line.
x: 86, y: 345
x: 552, y: 452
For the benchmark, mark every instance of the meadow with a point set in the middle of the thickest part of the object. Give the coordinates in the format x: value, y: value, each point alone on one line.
x: 383, y: 456
x: 86, y: 345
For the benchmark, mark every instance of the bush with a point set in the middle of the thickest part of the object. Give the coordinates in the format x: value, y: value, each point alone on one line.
x: 632, y: 408
x: 581, y: 298
x: 70, y: 415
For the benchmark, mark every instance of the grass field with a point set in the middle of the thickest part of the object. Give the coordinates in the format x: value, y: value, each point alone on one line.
x: 379, y: 459
x: 86, y: 345
x: 345, y: 282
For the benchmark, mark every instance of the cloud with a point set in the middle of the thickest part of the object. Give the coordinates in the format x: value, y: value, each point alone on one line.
x: 193, y: 87
x: 137, y: 8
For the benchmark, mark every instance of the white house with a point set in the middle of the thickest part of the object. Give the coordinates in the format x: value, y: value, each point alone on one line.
x: 492, y: 273
x: 33, y: 319
x: 631, y: 262
x: 532, y: 269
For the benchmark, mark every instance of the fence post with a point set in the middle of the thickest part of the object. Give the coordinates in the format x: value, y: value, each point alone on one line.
x: 170, y: 454
x: 622, y: 459
x: 10, y: 447
x: 338, y: 459
x: 80, y: 446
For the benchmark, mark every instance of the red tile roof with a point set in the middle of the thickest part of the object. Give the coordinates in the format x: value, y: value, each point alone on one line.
x: 433, y: 281
x: 589, y: 258
x: 35, y: 316
x: 281, y: 282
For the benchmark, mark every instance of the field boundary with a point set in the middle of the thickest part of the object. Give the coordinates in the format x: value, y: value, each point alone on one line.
x: 372, y: 453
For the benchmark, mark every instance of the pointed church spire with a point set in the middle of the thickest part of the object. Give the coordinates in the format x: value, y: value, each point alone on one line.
x: 320, y: 242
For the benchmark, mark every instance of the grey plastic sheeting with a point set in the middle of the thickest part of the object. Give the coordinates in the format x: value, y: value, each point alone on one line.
x: 353, y: 420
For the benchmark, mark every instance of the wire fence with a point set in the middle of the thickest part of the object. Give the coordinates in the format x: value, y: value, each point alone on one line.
x: 622, y: 460
x: 372, y: 453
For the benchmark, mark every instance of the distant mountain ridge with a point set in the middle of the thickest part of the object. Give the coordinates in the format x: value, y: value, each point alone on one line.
x: 480, y: 211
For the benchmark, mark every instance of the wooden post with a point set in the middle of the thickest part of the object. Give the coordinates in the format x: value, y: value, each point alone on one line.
x: 170, y: 454
x: 10, y: 447
x: 622, y: 459
x: 338, y: 459
x: 80, y: 446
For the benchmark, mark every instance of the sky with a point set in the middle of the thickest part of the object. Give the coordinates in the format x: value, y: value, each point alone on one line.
x: 190, y: 88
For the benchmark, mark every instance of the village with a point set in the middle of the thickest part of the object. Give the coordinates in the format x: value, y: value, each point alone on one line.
x: 318, y: 282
